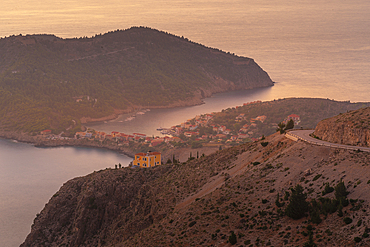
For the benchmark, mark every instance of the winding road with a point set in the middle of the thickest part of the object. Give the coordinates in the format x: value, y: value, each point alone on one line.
x: 304, y: 135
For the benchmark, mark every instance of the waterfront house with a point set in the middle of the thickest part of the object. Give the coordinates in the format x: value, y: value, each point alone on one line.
x: 221, y: 136
x: 114, y: 133
x: 139, y: 135
x: 222, y: 128
x: 261, y: 118
x: 208, y: 116
x: 156, y: 142
x: 149, y: 159
x: 244, y: 130
x: 294, y: 117
x: 193, y: 127
x: 243, y: 136
x: 80, y: 135
x: 226, y: 131
x: 240, y: 117
x: 191, y: 133
x: 45, y: 132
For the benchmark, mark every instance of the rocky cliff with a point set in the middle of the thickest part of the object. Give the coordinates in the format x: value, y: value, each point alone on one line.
x: 351, y: 128
x: 231, y: 196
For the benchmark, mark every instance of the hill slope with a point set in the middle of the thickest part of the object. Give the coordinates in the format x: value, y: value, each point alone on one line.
x: 351, y: 128
x: 202, y: 201
x: 46, y: 81
x: 310, y: 110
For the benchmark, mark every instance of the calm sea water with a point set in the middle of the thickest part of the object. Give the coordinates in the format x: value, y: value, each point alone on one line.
x: 310, y: 48
x: 29, y: 176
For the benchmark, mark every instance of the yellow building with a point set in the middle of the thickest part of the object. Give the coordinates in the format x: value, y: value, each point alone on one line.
x: 148, y: 159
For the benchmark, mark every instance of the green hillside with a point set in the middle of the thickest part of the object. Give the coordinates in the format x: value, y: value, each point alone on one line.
x: 310, y: 110
x: 46, y: 81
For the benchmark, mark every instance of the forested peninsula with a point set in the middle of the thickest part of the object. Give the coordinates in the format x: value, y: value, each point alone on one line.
x: 48, y: 82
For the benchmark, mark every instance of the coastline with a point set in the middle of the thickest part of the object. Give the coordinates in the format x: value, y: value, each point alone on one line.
x: 40, y: 142
x: 181, y: 154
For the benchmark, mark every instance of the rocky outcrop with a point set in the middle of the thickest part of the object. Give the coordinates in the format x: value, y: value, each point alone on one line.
x: 351, y: 128
x: 106, y: 206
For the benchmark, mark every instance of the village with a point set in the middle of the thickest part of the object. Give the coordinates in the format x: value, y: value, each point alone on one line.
x: 197, y: 132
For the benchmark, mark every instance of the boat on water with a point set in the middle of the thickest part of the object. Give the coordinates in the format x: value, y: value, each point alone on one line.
x: 140, y: 113
x: 165, y: 132
x: 160, y: 129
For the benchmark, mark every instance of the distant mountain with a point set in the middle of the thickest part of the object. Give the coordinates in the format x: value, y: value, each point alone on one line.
x: 46, y: 81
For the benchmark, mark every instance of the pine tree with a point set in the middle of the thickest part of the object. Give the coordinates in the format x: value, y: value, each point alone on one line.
x: 289, y: 125
x: 341, y: 191
x: 297, y: 206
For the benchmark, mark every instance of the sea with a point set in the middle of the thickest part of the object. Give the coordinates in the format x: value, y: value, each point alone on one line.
x: 309, y: 49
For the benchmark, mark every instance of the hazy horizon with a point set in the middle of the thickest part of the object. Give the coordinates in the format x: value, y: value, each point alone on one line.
x: 314, y: 49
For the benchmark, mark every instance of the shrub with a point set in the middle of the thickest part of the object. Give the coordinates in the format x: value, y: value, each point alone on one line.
x: 278, y: 203
x: 246, y: 242
x: 264, y: 144
x: 359, y: 222
x: 232, y: 238
x: 281, y: 127
x: 347, y: 220
x: 327, y: 189
x: 357, y: 239
x: 192, y: 223
x: 316, y: 177
x: 310, y: 242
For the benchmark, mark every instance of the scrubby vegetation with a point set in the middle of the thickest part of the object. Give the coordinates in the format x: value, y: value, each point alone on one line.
x: 46, y: 82
x: 244, y: 195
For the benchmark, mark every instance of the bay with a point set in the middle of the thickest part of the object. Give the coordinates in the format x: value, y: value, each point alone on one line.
x: 150, y: 121
x: 29, y: 177
x: 310, y: 49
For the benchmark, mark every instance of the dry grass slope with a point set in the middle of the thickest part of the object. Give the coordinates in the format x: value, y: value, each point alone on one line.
x: 216, y: 200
